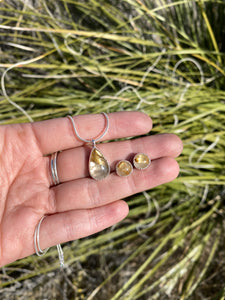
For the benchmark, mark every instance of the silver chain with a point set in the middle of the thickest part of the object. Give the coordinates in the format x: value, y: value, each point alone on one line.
x: 93, y: 141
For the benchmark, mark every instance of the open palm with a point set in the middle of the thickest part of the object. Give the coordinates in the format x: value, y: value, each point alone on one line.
x: 79, y: 205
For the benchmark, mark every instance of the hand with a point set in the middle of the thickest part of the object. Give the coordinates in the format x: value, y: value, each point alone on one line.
x: 79, y: 206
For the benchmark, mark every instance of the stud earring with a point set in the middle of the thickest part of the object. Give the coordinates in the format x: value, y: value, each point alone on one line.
x: 141, y: 161
x: 124, y: 168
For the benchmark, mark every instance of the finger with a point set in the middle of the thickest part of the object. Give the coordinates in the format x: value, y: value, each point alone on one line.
x: 75, y: 224
x: 57, y: 134
x: 88, y: 193
x: 73, y: 163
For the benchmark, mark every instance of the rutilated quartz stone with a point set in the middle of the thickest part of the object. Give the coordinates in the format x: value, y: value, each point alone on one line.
x: 141, y: 161
x: 98, y: 165
x: 124, y: 168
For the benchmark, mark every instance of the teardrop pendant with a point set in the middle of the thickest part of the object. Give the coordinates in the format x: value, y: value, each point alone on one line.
x: 98, y: 165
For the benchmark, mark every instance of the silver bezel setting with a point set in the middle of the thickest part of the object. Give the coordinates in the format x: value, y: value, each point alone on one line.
x: 139, y: 167
x: 124, y: 160
x: 89, y: 165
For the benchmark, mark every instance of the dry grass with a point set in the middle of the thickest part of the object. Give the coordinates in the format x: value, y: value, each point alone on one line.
x: 165, y: 58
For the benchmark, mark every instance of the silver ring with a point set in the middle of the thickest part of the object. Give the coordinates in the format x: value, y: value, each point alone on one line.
x: 53, y: 167
x: 37, y: 246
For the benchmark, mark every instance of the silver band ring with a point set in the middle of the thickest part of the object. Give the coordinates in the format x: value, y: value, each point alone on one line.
x: 37, y: 246
x: 53, y: 167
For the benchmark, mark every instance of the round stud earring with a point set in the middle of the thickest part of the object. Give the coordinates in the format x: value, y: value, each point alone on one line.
x: 141, y: 161
x: 124, y: 168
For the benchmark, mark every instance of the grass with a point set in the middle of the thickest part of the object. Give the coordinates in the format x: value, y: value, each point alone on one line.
x: 165, y: 58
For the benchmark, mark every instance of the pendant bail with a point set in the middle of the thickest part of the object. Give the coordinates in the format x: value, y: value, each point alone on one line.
x: 93, y: 143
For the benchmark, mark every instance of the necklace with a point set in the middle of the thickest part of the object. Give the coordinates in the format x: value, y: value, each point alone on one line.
x: 98, y: 165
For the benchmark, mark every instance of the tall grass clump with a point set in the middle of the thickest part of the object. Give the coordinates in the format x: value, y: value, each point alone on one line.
x: 165, y: 58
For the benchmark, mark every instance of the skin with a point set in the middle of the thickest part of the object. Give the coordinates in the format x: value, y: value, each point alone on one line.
x: 79, y: 206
